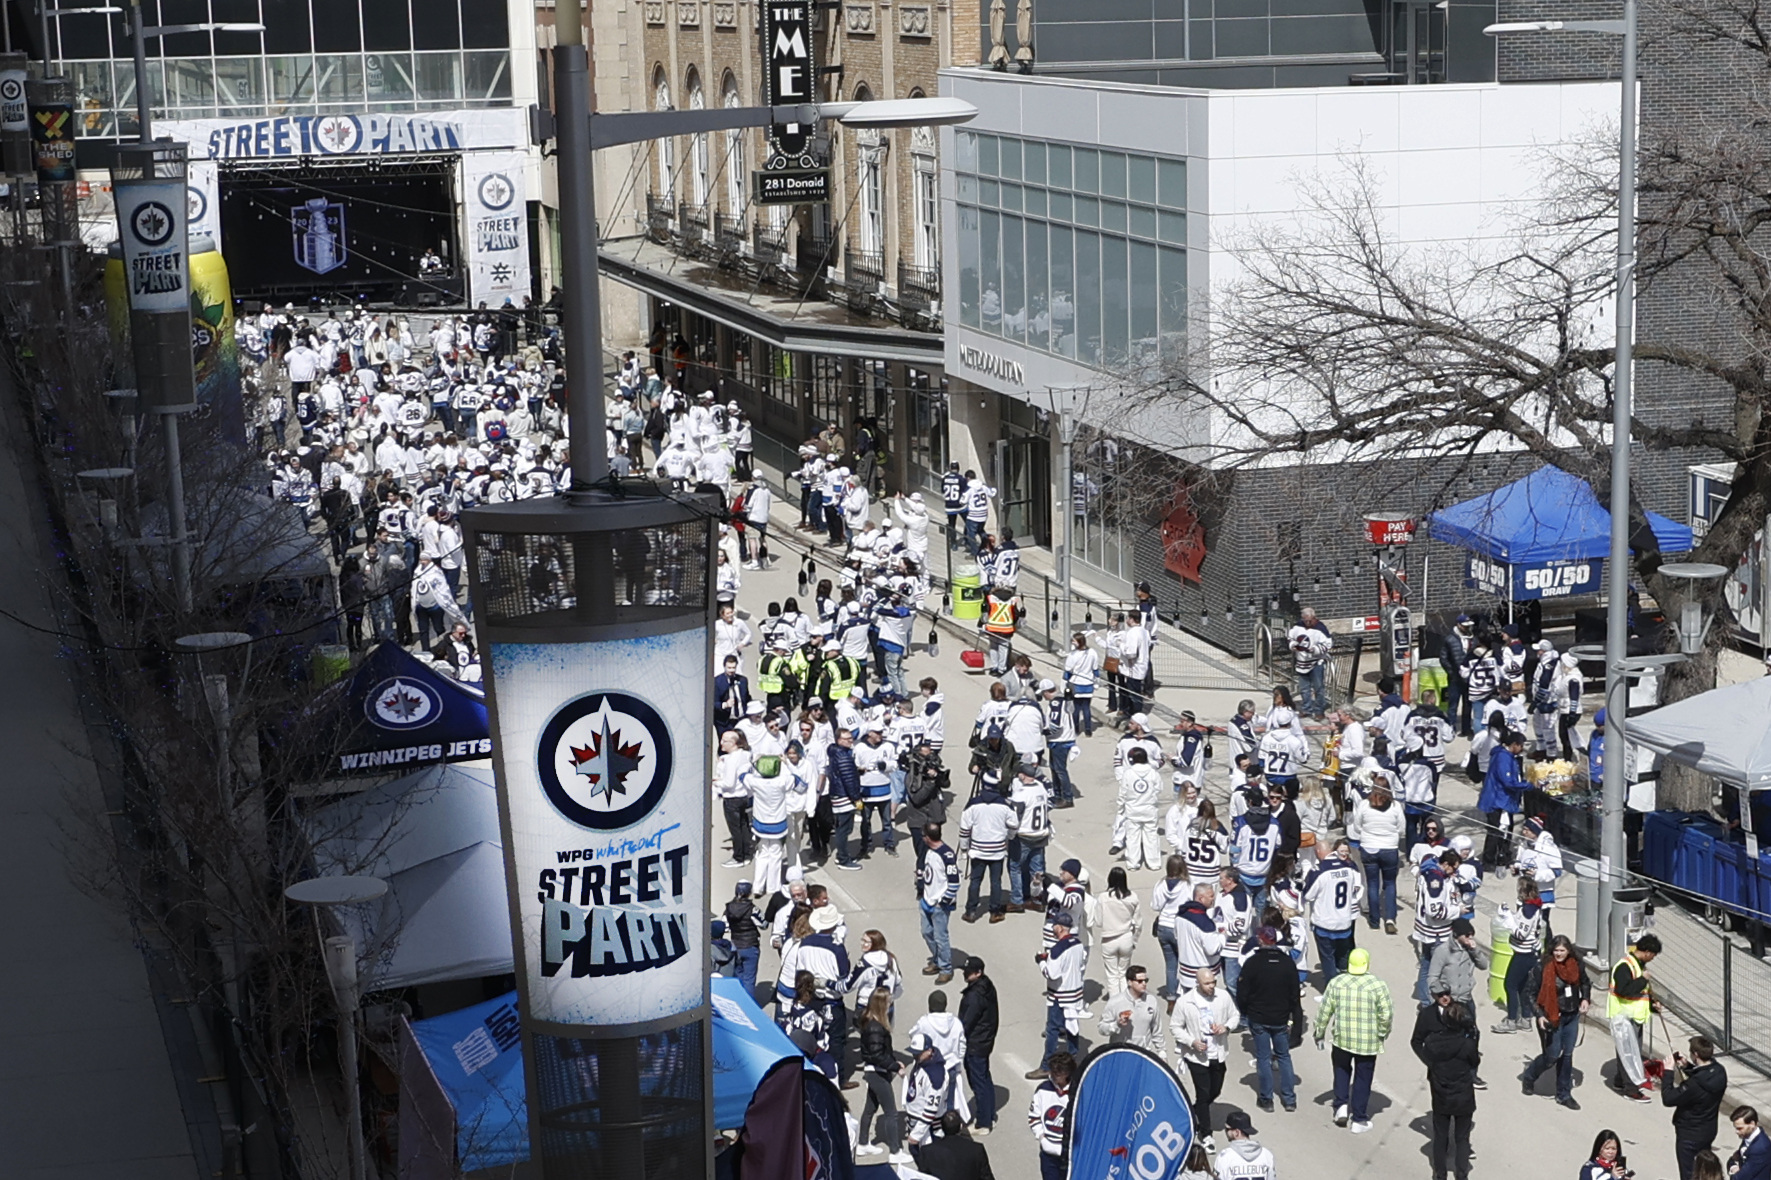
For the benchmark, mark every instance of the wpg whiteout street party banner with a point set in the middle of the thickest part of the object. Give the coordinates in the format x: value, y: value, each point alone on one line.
x: 605, y: 763
x: 496, y: 230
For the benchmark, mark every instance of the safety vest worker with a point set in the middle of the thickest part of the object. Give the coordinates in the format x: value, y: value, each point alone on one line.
x: 771, y: 674
x: 1001, y: 613
x: 841, y: 674
x: 1630, y: 994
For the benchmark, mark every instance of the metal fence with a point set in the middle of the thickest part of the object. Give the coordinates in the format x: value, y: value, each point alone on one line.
x: 1711, y: 979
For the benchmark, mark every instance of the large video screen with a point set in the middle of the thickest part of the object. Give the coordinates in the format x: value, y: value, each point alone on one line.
x: 293, y: 233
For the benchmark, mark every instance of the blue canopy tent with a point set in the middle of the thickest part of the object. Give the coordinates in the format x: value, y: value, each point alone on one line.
x: 395, y: 713
x: 1544, y: 536
x: 463, y: 1106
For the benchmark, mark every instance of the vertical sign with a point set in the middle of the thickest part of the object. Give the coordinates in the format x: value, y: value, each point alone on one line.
x: 203, y: 202
x: 14, y: 119
x: 52, y: 139
x: 605, y: 772
x: 497, y: 223
x: 151, y: 221
x: 789, y: 74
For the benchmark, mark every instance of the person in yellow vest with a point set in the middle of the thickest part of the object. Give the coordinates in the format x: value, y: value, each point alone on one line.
x: 1628, y: 1009
x: 772, y: 674
x: 1000, y: 618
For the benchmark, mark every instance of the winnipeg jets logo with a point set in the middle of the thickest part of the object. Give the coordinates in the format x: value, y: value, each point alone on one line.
x: 400, y: 703
x: 152, y: 223
x: 337, y: 134
x: 496, y: 190
x: 604, y: 760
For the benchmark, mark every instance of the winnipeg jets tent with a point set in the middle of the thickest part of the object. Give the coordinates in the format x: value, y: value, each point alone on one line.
x: 1724, y: 733
x: 395, y: 712
x: 433, y: 836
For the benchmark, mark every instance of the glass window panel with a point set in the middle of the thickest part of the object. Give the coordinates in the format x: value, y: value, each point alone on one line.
x: 1058, y: 166
x: 183, y: 12
x: 123, y: 75
x: 987, y: 155
x: 1112, y: 174
x: 989, y: 192
x: 387, y: 25
x: 1062, y: 207
x: 1143, y: 299
x: 286, y: 27
x: 1034, y: 199
x: 1011, y: 195
x: 1113, y: 216
x: 335, y: 26
x: 1171, y: 177
x: 236, y: 44
x: 486, y: 78
x: 483, y: 25
x: 338, y: 77
x: 1142, y: 221
x: 191, y: 83
x: 968, y: 266
x: 1141, y: 178
x: 291, y: 81
x: 93, y: 91
x: 967, y: 142
x: 1014, y: 280
x: 1039, y: 320
x: 103, y: 124
x: 438, y: 26
x: 1088, y: 211
x: 239, y: 85
x: 1088, y: 170
x: 1033, y: 162
x: 968, y: 188
x: 1063, y: 290
x: 1173, y: 300
x: 1172, y: 227
x: 1010, y: 161
x: 439, y: 77
x: 990, y: 272
x: 1115, y: 313
x: 387, y: 78
x: 1088, y: 297
x: 87, y: 35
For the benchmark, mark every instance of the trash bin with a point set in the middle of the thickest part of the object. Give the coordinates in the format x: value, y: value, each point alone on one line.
x: 330, y: 662
x: 1586, y: 900
x: 968, y: 592
x: 1629, y: 917
x: 1501, y: 948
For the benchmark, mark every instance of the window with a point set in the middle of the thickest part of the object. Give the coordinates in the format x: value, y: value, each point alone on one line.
x: 737, y: 169
x: 872, y: 197
x: 928, y: 431
x: 828, y: 395
x: 928, y: 214
x: 701, y: 179
x: 666, y: 144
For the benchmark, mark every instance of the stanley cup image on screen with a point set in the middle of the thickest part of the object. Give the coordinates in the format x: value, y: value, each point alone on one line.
x: 596, y: 615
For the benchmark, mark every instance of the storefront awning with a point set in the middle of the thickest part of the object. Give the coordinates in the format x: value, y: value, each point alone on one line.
x: 777, y: 318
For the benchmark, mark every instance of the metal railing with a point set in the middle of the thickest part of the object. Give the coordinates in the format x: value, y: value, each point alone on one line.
x: 728, y: 238
x: 1710, y: 978
x: 691, y: 225
x: 660, y: 219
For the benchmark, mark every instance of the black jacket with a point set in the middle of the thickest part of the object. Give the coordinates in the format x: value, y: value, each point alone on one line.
x: 977, y: 1015
x: 958, y: 1158
x: 876, y: 1049
x: 741, y: 923
x: 924, y: 782
x: 1454, y: 653
x: 1696, y: 1101
x: 1267, y: 990
x: 1451, y: 1056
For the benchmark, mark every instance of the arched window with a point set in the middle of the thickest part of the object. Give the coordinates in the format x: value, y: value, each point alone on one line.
x: 700, y: 175
x: 925, y: 204
x: 667, y: 145
x: 737, y: 167
x: 870, y: 183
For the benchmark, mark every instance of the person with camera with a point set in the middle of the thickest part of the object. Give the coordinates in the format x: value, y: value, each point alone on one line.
x: 1606, y: 1162
x: 1694, y: 1090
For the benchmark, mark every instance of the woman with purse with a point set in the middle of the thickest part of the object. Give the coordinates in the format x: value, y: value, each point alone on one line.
x: 879, y: 1065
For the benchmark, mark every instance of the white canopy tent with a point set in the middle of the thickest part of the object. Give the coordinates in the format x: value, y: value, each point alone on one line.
x: 1724, y: 733
x: 433, y: 836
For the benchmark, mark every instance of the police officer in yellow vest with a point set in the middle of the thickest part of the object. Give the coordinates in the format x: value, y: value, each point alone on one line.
x: 1628, y: 1009
x: 1001, y: 616
x: 840, y: 674
x: 774, y: 677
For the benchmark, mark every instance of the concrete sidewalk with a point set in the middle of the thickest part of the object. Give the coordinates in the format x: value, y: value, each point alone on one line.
x: 86, y: 1087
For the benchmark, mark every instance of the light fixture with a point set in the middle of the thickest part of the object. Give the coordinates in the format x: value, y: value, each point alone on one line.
x: 884, y: 113
x: 1229, y: 611
x: 1337, y: 575
x: 1692, y: 626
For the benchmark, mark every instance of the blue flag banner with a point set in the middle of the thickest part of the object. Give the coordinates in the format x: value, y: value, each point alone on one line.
x: 397, y: 714
x: 1129, y: 1118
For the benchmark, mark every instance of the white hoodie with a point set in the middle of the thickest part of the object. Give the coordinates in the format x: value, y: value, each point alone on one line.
x: 1246, y: 1159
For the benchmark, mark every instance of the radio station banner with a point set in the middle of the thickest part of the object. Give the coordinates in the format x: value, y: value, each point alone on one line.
x: 1129, y: 1119
x: 497, y: 228
x: 605, y: 764
x: 151, y: 218
x: 290, y: 137
x: 1522, y: 583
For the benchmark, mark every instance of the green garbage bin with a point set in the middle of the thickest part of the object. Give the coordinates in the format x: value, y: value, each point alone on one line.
x: 968, y: 592
x: 329, y: 662
x: 1502, y: 950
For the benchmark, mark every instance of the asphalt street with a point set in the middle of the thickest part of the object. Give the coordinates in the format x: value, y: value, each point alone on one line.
x: 1511, y: 1130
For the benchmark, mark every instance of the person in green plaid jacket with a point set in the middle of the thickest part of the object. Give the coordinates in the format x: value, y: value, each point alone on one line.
x: 1355, y: 1016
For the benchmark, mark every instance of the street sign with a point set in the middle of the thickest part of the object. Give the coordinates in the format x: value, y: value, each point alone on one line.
x: 790, y: 71
x: 792, y: 186
x: 1389, y: 528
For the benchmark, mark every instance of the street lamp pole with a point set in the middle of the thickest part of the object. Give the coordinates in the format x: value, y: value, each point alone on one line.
x: 581, y: 327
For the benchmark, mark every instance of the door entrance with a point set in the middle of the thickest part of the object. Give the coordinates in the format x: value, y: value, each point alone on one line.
x: 1024, y: 489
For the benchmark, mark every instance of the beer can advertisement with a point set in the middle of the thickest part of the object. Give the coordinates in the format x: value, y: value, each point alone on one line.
x: 605, y: 763
x: 151, y: 223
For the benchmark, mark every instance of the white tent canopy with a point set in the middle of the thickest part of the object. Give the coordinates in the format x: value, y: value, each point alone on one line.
x: 1724, y: 733
x: 433, y: 836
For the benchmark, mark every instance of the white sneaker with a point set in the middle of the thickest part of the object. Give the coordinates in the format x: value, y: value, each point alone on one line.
x: 982, y: 1132
x: 1360, y: 1128
x: 870, y: 1149
x: 751, y: 565
x: 1340, y: 1116
x: 733, y: 864
x: 900, y: 1158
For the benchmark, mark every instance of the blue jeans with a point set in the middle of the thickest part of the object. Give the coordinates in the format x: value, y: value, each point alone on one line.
x: 893, y: 669
x: 1082, y: 707
x: 1380, y: 884
x: 1061, y: 771
x: 745, y: 965
x: 883, y: 809
x: 839, y: 841
x: 898, y: 796
x: 1025, y: 857
x: 1171, y: 958
x: 1056, y: 1032
x: 1231, y: 968
x: 1312, y: 698
x: 1560, y: 1053
x: 979, y: 867
x: 1423, y: 952
x: 974, y: 536
x: 1521, y: 1005
x: 1352, y: 1082
x: 934, y: 934
x: 1257, y: 897
x: 1333, y: 950
x: 977, y: 1072
x: 1273, y: 1041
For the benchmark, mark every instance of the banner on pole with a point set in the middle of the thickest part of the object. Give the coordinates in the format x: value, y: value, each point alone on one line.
x: 1129, y: 1118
